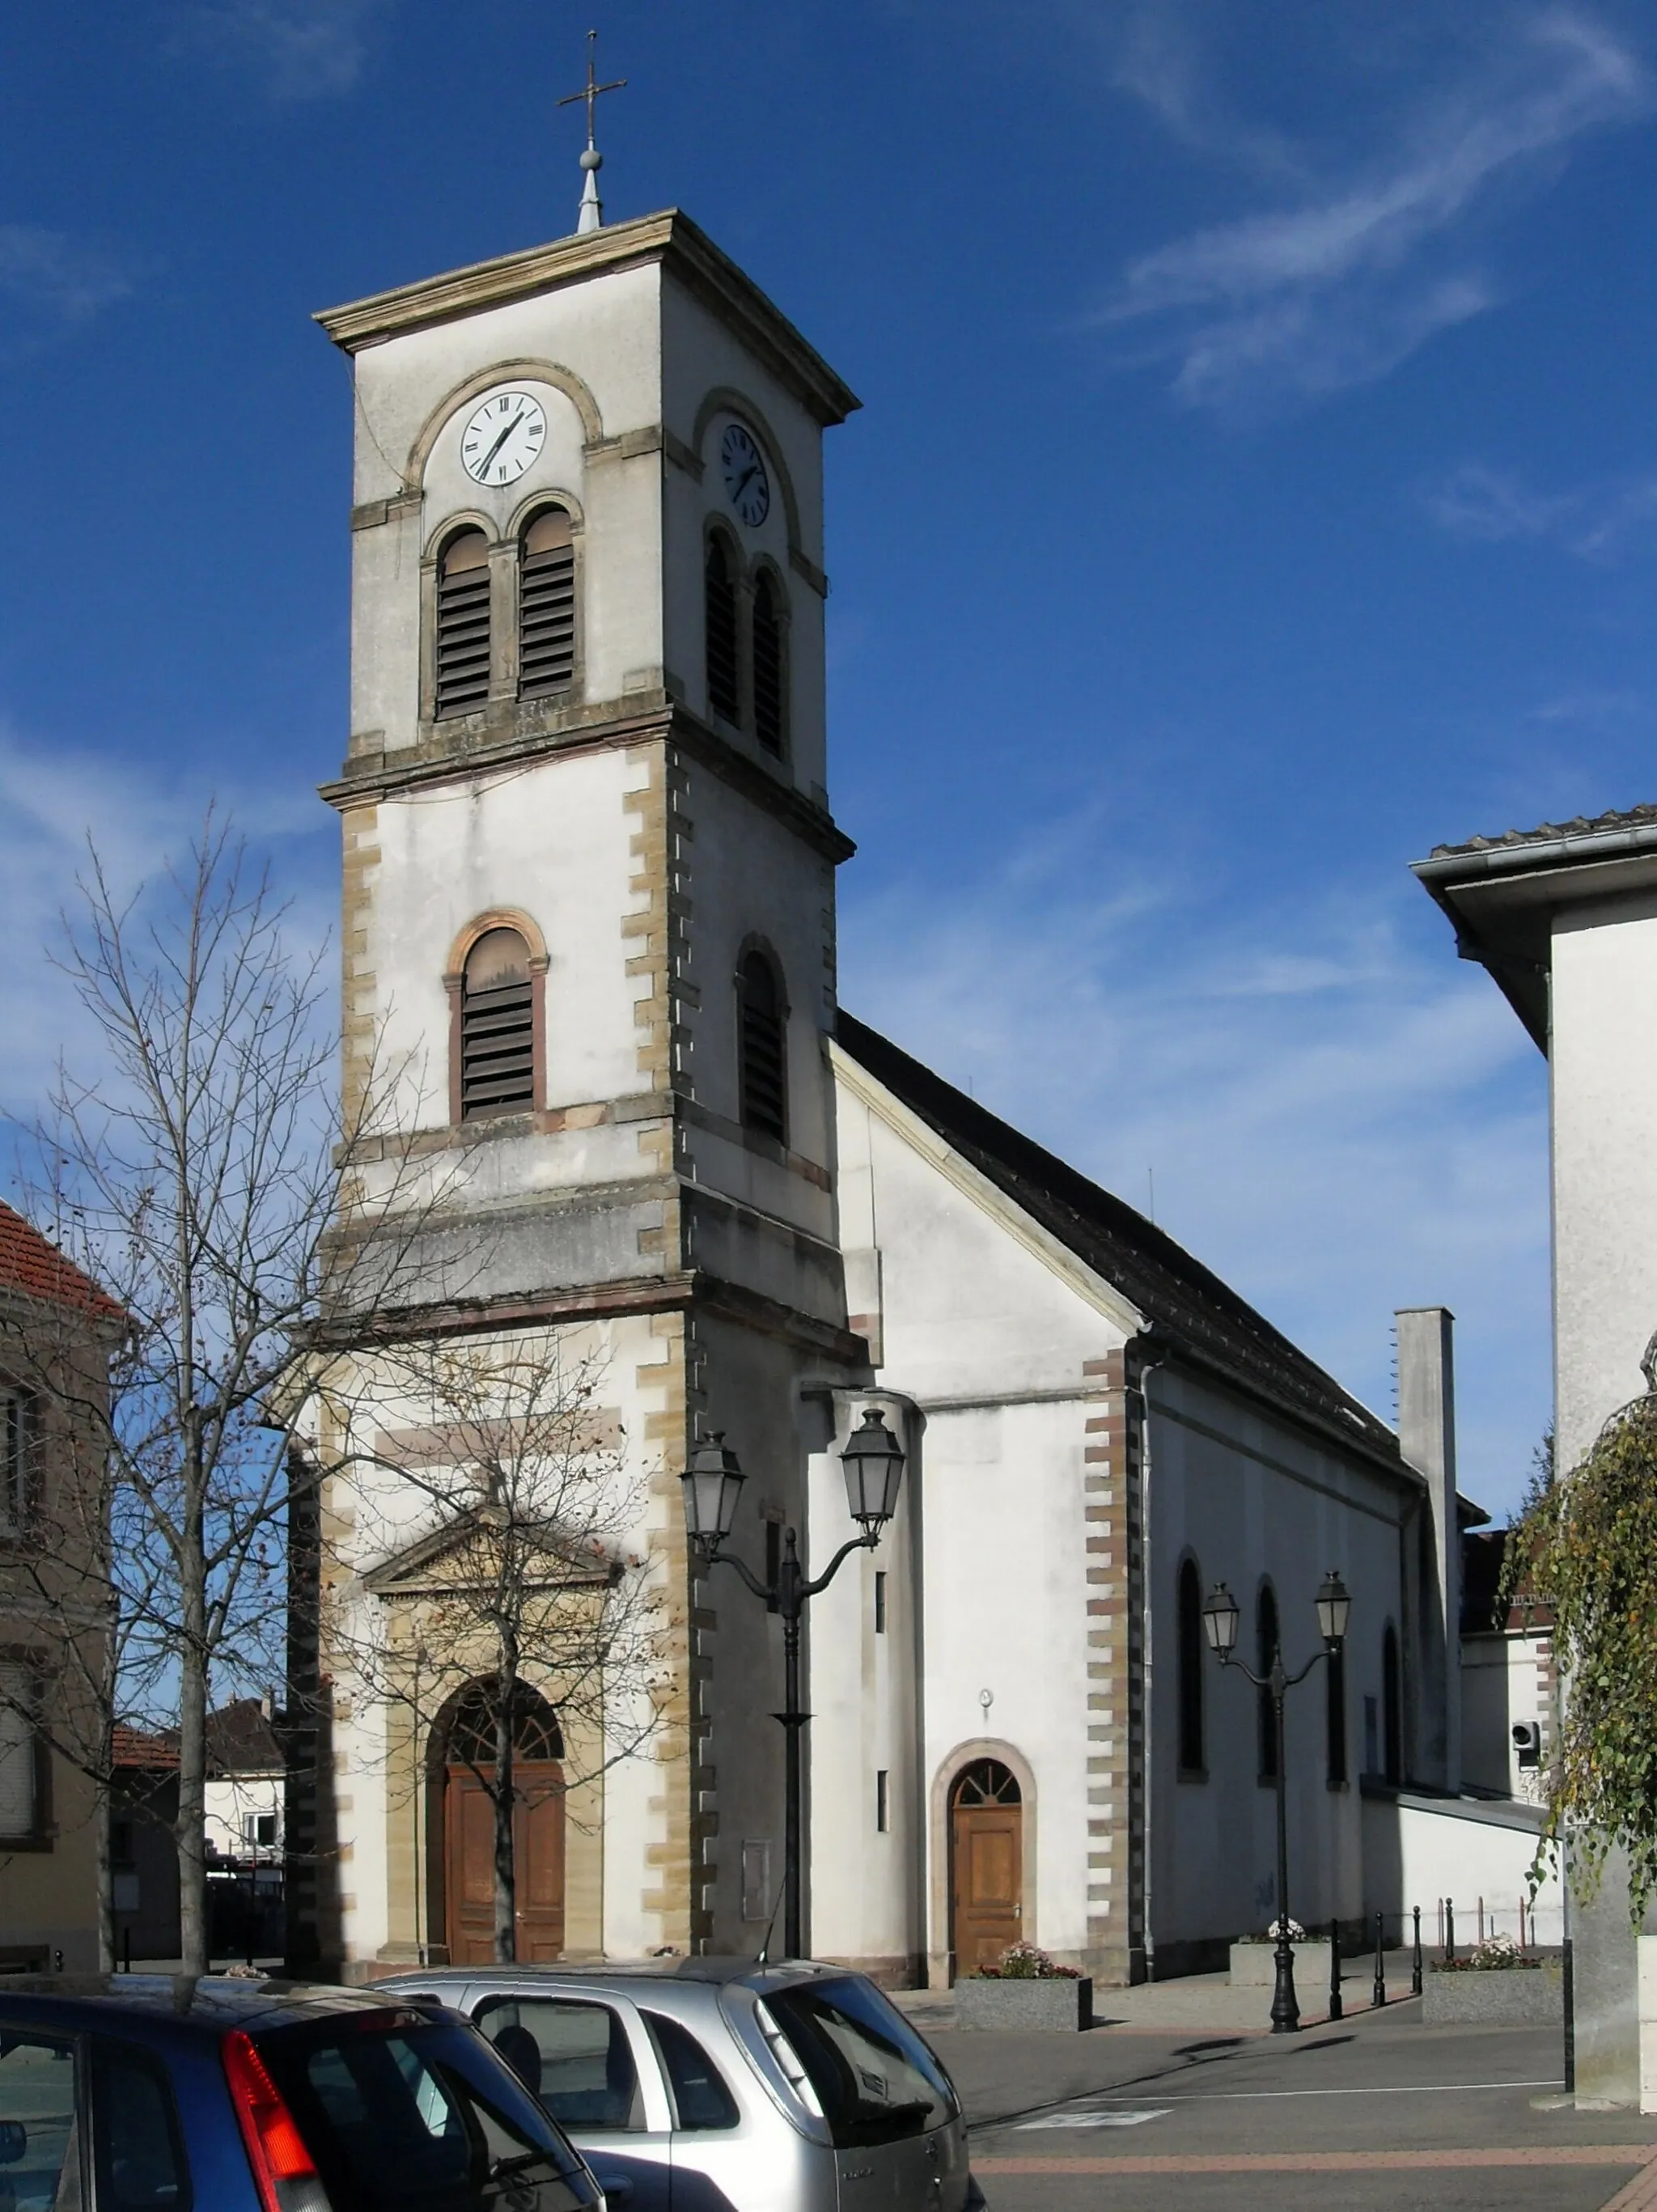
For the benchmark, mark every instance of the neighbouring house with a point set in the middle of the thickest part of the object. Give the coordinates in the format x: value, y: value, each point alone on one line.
x: 245, y: 1773
x: 1564, y: 919
x: 56, y: 1332
x: 589, y: 899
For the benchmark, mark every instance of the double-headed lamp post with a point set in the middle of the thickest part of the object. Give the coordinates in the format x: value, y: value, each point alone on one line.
x: 873, y: 1460
x: 1220, y: 1621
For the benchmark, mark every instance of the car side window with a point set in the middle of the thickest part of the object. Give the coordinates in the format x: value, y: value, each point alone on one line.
x: 701, y: 2099
x: 39, y: 2165
x: 137, y: 2145
x: 573, y: 2055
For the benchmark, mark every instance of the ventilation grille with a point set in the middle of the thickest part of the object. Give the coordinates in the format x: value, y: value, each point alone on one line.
x: 761, y: 1070
x: 546, y: 621
x: 767, y: 673
x: 462, y: 641
x: 497, y: 1050
x: 721, y: 636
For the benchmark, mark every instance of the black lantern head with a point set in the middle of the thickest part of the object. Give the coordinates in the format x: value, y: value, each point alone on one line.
x: 1334, y: 1610
x: 873, y: 1460
x: 1220, y: 1622
x: 712, y: 1483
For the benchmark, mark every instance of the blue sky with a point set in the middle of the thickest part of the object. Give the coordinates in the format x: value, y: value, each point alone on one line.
x: 1257, y: 484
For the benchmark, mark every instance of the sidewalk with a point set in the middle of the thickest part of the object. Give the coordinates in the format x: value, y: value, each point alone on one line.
x: 1198, y: 2004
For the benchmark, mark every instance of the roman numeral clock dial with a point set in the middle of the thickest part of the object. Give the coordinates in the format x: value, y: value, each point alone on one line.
x: 746, y: 484
x: 504, y: 436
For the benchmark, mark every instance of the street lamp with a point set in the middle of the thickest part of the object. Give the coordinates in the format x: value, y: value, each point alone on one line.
x: 1335, y: 1608
x: 713, y: 1480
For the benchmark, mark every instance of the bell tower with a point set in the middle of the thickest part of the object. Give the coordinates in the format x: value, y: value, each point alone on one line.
x: 588, y: 917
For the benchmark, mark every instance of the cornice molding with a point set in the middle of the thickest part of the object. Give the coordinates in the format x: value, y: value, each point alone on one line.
x: 671, y: 240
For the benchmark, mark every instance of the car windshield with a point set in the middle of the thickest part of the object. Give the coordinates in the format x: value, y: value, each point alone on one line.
x: 875, y: 2079
x: 405, y: 2116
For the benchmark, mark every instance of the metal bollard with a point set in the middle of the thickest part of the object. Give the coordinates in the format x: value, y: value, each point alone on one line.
x: 1450, y: 1931
x: 1334, y: 1971
x: 1415, y: 1964
x: 1378, y: 1994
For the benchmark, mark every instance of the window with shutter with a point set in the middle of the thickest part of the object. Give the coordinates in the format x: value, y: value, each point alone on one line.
x: 768, y: 666
x: 1190, y: 1635
x: 463, y: 623
x: 497, y: 1026
x: 721, y: 626
x: 761, y: 1044
x: 546, y: 605
x: 17, y: 1806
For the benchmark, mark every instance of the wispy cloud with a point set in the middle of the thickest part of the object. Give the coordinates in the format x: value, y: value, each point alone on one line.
x: 1493, y: 507
x: 1338, y: 1123
x: 297, y: 50
x: 52, y: 283
x: 1339, y: 287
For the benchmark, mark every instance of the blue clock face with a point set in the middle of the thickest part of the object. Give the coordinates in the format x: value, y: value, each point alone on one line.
x: 747, y: 486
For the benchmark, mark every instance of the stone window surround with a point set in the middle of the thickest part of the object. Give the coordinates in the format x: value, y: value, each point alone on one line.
x: 43, y: 1836
x: 505, y: 553
x: 500, y: 917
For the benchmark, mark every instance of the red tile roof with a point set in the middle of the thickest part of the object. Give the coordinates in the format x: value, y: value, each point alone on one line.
x: 29, y: 1264
x: 132, y: 1747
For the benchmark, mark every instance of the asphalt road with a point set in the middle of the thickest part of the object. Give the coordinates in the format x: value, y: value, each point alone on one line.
x: 1377, y: 2111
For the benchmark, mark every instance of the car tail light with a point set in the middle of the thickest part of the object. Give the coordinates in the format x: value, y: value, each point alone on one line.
x: 284, y: 2170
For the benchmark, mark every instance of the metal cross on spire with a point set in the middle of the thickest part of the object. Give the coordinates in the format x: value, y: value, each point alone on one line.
x: 592, y: 208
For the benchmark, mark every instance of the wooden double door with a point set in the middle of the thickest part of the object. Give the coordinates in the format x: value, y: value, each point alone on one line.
x: 537, y: 1863
x: 986, y: 1865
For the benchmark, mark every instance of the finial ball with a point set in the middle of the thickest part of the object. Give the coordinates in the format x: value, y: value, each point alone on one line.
x: 591, y: 158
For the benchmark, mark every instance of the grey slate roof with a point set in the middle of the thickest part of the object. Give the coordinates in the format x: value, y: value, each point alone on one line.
x: 1191, y: 1309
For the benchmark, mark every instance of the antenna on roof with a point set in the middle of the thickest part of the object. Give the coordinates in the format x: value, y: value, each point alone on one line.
x: 592, y: 216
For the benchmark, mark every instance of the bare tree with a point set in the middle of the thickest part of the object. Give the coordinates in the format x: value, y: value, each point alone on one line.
x: 490, y: 1489
x: 197, y: 1168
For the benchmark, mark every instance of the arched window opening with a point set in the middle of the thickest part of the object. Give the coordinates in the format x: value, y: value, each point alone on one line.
x: 1334, y: 1669
x: 1190, y: 1628
x: 768, y: 708
x: 985, y: 1782
x: 1392, y: 1729
x: 497, y: 1026
x: 761, y: 1049
x: 546, y: 605
x: 721, y: 626
x: 1265, y: 1650
x: 463, y: 623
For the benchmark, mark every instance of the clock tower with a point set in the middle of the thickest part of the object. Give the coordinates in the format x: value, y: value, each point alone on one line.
x: 588, y: 933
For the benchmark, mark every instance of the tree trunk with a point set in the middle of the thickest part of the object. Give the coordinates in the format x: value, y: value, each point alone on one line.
x: 505, y: 1804
x: 191, y: 1829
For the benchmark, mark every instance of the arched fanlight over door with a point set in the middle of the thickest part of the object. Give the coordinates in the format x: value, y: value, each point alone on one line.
x: 497, y: 1026
x: 461, y: 669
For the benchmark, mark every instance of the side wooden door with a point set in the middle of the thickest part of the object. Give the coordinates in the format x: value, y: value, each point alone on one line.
x: 989, y: 1882
x: 469, y: 1868
x: 539, y: 1863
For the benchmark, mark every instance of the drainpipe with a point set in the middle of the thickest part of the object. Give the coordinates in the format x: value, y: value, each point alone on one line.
x: 1147, y: 1661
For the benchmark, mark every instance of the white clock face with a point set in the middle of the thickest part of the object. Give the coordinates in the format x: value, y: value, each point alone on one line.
x: 746, y: 484
x: 505, y: 435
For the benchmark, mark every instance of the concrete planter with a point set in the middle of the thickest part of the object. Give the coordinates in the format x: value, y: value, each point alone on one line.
x: 1059, y: 2006
x: 1505, y: 1996
x: 1254, y: 1965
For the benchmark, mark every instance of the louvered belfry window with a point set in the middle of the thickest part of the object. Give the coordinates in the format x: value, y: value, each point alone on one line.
x: 463, y: 623
x: 546, y: 605
x: 497, y: 1027
x: 721, y: 624
x: 768, y: 666
x: 760, y: 1010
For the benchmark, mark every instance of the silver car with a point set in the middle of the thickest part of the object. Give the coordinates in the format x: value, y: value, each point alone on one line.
x: 708, y: 2085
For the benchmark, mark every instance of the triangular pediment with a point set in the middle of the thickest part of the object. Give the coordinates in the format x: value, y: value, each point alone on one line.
x: 446, y: 1559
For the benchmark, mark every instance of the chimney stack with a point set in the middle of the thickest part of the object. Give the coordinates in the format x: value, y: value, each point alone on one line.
x: 1426, y: 1435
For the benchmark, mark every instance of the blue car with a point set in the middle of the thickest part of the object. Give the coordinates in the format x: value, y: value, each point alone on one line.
x: 140, y: 2094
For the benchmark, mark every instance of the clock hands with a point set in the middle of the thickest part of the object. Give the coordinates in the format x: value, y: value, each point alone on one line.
x: 483, y: 467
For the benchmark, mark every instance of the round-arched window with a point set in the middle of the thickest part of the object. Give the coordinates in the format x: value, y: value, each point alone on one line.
x: 463, y: 623
x: 497, y: 1026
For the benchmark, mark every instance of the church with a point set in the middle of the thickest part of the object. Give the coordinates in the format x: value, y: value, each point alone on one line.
x: 588, y: 924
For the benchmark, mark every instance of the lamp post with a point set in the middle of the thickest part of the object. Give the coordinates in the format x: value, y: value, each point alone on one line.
x: 713, y: 1481
x: 1220, y: 1623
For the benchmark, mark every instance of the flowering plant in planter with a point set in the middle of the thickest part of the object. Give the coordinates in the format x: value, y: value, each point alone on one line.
x: 1496, y: 1953
x: 1027, y: 1962
x: 1296, y: 1933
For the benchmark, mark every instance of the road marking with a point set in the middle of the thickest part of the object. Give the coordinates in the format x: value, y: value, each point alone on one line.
x: 1421, y: 2090
x: 1135, y: 2117
x: 1355, y: 2161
